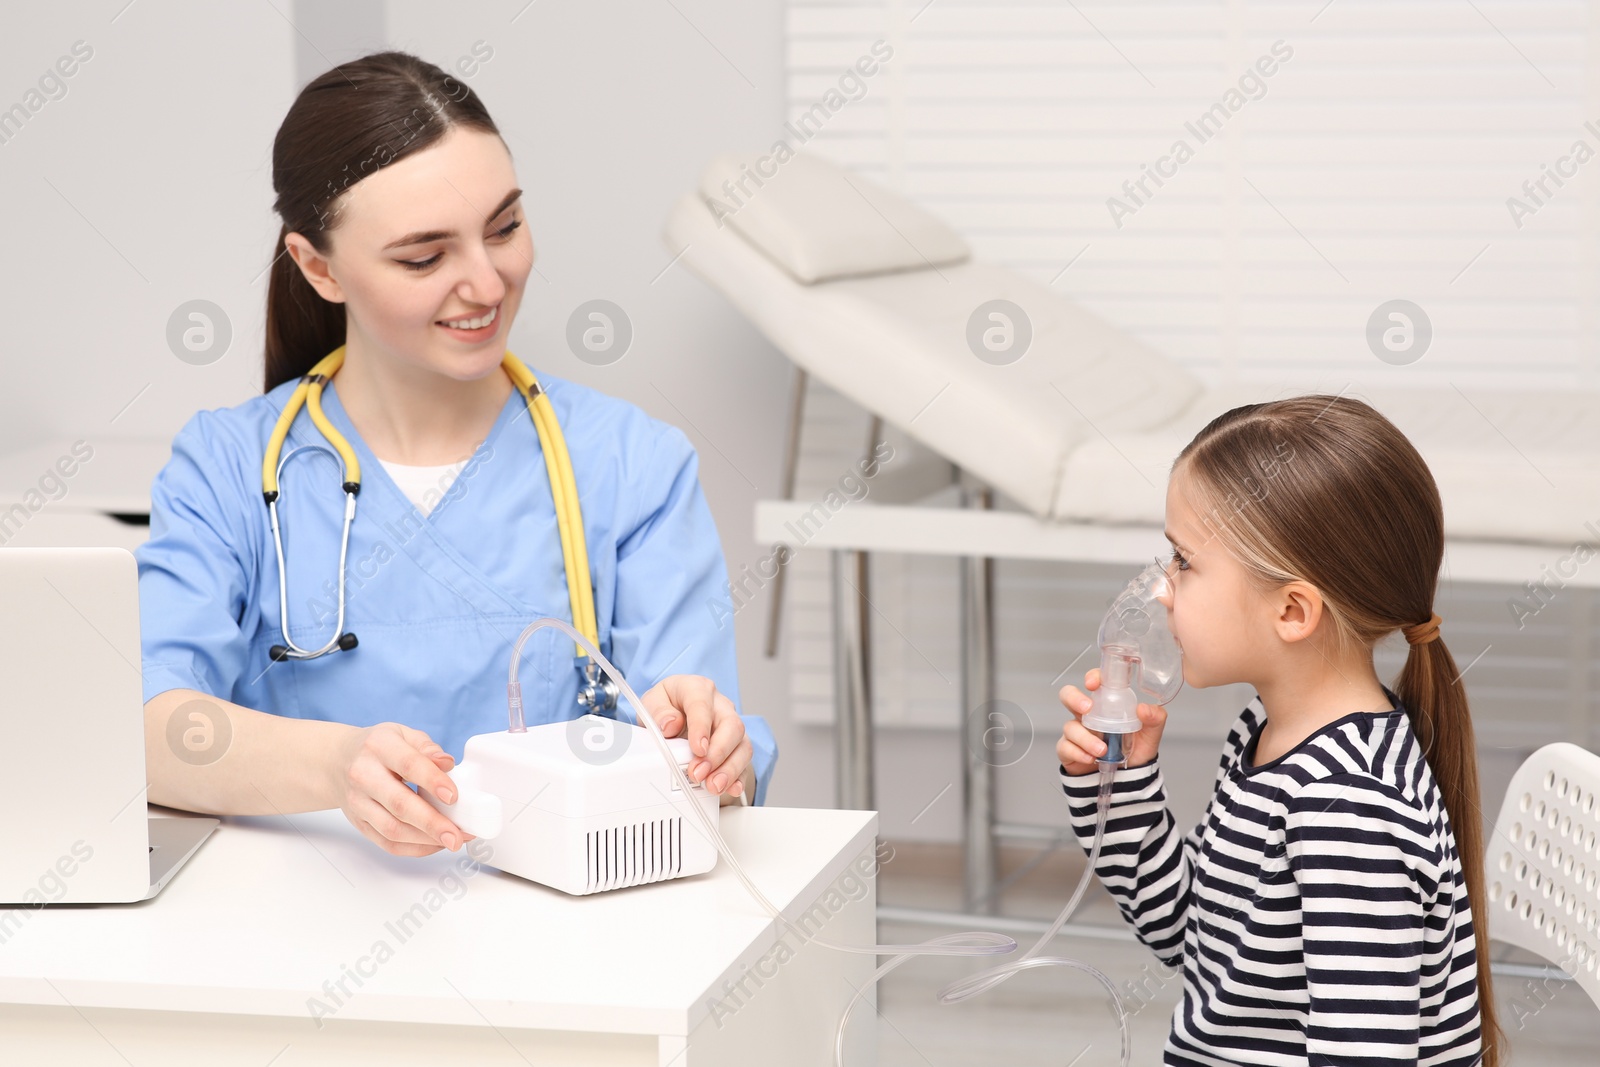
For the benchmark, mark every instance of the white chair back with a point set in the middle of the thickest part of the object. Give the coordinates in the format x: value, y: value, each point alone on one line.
x: 1542, y: 862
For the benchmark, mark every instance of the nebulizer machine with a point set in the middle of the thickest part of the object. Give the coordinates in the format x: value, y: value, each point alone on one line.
x: 582, y: 809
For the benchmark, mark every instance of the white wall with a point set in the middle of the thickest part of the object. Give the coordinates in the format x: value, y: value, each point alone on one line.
x: 145, y: 186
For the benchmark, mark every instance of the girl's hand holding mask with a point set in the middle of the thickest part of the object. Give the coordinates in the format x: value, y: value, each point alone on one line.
x: 1080, y: 746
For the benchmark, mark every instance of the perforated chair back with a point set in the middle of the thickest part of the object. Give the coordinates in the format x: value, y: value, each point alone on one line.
x: 1542, y: 862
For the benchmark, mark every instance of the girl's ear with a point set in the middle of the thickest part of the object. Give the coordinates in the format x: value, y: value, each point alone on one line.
x: 1299, y: 611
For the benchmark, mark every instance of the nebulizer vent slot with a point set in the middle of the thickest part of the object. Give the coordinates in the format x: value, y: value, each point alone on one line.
x: 633, y: 854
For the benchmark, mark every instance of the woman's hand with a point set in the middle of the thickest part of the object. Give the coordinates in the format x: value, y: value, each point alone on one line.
x: 690, y: 705
x: 1079, y: 745
x: 370, y: 774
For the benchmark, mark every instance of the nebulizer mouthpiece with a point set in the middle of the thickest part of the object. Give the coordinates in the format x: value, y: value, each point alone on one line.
x: 1140, y: 659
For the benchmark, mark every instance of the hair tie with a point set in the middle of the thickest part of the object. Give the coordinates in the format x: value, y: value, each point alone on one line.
x: 1423, y: 632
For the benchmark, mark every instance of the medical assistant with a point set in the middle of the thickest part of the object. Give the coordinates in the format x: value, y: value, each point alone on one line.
x: 435, y: 601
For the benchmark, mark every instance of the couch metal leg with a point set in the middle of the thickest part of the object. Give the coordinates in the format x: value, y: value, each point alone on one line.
x: 977, y: 690
x: 852, y: 737
x: 791, y: 468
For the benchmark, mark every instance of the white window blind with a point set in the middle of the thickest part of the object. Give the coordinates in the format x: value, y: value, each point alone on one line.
x: 1376, y: 164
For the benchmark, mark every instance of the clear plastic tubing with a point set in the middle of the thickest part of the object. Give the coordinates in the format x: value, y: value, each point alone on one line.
x: 970, y: 943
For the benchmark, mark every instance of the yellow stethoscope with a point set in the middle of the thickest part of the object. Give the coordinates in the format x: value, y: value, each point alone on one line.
x: 595, y: 693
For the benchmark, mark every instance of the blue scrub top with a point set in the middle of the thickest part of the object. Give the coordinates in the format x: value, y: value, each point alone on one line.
x: 437, y: 601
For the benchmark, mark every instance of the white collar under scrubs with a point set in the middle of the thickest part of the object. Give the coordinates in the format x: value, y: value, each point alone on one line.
x: 436, y: 600
x: 423, y: 486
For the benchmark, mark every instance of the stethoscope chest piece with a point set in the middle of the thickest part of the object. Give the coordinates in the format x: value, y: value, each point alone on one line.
x: 597, y: 693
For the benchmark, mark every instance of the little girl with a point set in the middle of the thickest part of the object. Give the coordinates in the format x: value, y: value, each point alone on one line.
x: 1323, y: 911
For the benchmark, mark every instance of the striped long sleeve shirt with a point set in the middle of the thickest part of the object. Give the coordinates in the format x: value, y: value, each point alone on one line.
x: 1318, y: 912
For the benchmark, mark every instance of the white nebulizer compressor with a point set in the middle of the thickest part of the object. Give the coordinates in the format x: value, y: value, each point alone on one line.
x: 581, y: 806
x: 585, y: 805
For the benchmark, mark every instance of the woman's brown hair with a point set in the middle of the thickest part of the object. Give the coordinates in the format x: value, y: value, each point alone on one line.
x: 1326, y: 490
x: 345, y: 124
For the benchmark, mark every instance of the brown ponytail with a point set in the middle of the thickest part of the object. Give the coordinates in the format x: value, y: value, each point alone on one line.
x: 1265, y: 479
x: 1430, y: 689
x: 345, y: 124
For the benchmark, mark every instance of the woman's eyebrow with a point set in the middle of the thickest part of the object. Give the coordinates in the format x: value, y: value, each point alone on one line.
x: 1174, y: 541
x: 424, y: 236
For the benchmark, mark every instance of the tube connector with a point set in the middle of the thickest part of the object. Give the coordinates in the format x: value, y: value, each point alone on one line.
x: 1113, y: 755
x: 514, y: 708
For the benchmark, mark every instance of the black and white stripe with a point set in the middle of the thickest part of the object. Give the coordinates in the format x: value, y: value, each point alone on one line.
x: 1318, y: 911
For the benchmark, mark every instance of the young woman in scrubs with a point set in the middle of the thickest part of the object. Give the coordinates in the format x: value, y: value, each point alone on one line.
x: 405, y: 240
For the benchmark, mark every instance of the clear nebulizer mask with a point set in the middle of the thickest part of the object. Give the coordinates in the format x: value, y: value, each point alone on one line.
x: 1141, y: 661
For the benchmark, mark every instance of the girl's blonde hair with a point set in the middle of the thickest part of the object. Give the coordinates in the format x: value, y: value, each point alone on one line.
x: 1325, y: 490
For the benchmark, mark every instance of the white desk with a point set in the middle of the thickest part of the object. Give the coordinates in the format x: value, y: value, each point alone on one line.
x: 220, y: 967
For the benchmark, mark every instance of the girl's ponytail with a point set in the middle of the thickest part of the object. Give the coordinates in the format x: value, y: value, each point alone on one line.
x: 1430, y: 689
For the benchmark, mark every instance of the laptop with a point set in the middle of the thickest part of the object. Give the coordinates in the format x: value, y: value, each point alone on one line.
x: 72, y: 730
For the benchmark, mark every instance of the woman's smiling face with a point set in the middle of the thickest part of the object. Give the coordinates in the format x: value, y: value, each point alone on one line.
x: 426, y: 246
